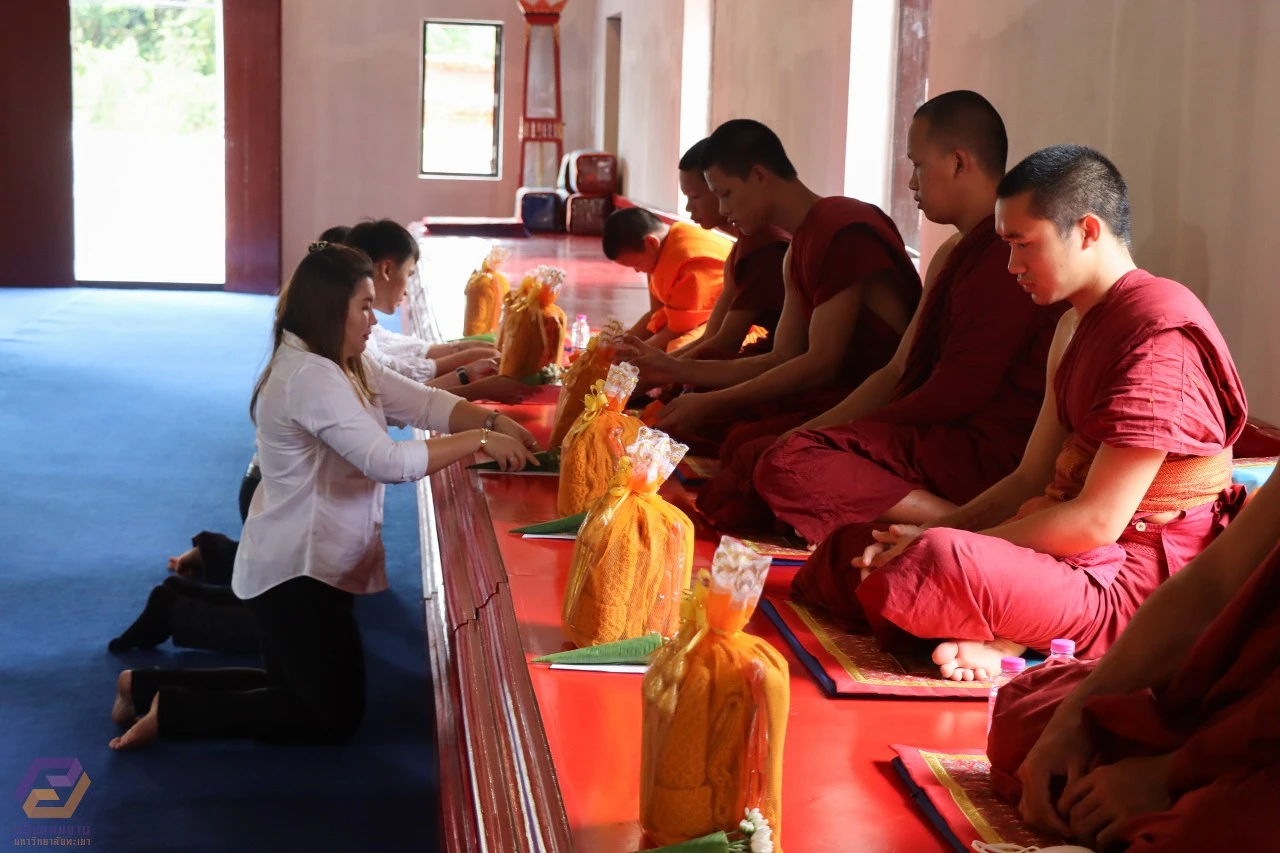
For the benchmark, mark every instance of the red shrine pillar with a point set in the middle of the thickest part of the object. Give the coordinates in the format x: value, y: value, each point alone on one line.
x: 541, y: 114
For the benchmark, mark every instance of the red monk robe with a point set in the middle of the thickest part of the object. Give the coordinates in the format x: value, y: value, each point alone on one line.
x: 958, y: 421
x: 1219, y: 716
x: 840, y: 243
x: 1147, y: 368
x: 687, y: 281
x: 754, y: 272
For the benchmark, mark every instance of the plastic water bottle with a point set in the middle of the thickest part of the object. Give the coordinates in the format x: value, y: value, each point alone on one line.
x: 579, y: 334
x: 1009, y: 667
x: 1062, y: 650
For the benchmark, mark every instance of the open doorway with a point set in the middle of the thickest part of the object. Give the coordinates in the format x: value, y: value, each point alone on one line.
x: 148, y: 141
x: 612, y: 79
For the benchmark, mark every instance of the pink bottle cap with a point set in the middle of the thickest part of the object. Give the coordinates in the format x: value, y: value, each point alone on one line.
x: 1062, y: 647
x: 1012, y: 664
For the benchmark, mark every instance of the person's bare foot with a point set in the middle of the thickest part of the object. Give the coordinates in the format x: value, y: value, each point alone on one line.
x: 146, y: 730
x: 187, y: 564
x: 122, y: 712
x: 973, y: 660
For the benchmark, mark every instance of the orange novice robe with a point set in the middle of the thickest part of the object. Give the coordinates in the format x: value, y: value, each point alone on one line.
x: 687, y: 280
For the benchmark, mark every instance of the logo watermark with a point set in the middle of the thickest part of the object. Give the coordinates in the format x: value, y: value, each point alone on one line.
x: 52, y: 790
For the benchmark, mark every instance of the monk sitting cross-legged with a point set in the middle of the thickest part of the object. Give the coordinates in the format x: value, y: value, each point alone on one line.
x: 745, y: 317
x: 1126, y: 476
x: 1170, y: 742
x: 685, y: 265
x: 850, y: 293
x: 950, y: 414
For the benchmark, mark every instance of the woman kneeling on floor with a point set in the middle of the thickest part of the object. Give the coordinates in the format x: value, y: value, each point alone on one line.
x: 313, y: 539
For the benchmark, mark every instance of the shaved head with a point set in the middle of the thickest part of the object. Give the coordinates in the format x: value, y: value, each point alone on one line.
x: 740, y: 144
x: 1067, y: 182
x: 966, y: 121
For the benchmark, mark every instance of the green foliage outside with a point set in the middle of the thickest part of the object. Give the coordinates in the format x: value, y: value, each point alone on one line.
x: 461, y: 42
x: 146, y: 69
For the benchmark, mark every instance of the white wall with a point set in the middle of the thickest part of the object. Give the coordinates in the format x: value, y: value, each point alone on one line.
x: 351, y: 111
x: 1180, y: 96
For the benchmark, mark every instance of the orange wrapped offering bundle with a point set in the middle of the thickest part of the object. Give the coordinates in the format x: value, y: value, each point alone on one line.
x: 590, y: 367
x: 486, y: 290
x: 634, y: 552
x: 533, y: 326
x: 597, y: 440
x: 715, y: 711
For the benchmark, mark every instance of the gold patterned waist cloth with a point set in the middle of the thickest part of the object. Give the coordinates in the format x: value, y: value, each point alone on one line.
x: 1182, y: 482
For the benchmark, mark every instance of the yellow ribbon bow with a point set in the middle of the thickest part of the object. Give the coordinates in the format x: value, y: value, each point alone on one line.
x: 595, y: 402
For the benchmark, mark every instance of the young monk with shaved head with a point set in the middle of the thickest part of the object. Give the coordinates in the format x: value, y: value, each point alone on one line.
x: 951, y: 412
x: 850, y: 293
x: 1127, y: 474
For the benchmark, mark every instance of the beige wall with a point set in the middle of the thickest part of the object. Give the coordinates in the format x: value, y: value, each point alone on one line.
x: 351, y: 136
x: 1180, y: 96
x: 787, y: 65
x: 648, y: 92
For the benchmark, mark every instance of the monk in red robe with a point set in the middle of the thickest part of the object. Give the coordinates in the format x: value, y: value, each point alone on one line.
x: 1133, y: 443
x: 749, y: 307
x: 850, y: 294
x: 685, y: 266
x: 1171, y: 741
x: 950, y: 414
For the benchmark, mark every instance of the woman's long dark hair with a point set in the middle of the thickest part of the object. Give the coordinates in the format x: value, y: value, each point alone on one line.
x: 314, y: 304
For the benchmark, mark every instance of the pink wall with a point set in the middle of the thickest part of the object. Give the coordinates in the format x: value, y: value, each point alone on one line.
x: 351, y: 137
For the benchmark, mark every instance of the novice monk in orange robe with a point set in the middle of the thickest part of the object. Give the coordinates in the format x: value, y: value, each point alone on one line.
x: 1170, y: 742
x: 850, y: 294
x: 951, y: 412
x: 685, y: 265
x: 1126, y: 477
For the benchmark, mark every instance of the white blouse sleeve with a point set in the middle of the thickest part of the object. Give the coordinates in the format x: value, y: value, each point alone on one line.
x: 404, y: 354
x: 323, y: 402
x: 409, y: 403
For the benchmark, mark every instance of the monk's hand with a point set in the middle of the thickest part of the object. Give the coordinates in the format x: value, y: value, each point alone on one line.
x: 888, y: 545
x: 507, y: 426
x: 656, y: 368
x: 1102, y: 802
x: 1063, y: 752
x: 685, y: 414
x: 508, y: 452
x: 632, y: 348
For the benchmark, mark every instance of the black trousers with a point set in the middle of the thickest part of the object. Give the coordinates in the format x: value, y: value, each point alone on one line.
x: 311, y: 689
x: 248, y: 485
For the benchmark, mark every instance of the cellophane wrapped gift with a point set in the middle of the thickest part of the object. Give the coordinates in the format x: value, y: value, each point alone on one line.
x: 598, y: 438
x: 634, y: 552
x: 715, y: 702
x: 485, y: 291
x: 533, y: 326
x: 590, y: 367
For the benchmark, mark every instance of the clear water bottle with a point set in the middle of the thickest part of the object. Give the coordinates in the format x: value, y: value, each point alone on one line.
x: 1062, y: 650
x: 579, y: 334
x: 1009, y: 667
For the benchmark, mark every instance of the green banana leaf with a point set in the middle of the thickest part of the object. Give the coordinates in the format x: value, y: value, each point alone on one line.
x: 636, y: 650
x: 568, y: 524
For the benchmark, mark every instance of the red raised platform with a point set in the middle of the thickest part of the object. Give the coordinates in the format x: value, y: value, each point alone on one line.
x: 534, y: 759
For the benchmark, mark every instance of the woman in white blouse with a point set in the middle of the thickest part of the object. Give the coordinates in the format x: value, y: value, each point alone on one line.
x: 313, y: 539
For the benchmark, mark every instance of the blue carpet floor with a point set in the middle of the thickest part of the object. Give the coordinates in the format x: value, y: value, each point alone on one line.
x: 123, y: 431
